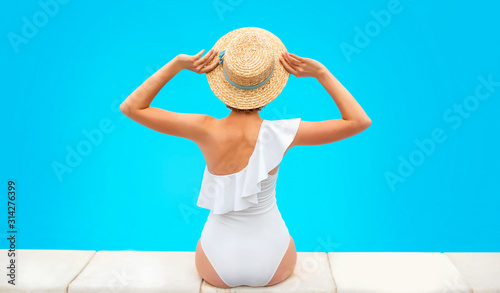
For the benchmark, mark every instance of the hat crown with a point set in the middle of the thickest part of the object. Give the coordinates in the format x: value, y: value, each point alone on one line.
x: 249, y: 59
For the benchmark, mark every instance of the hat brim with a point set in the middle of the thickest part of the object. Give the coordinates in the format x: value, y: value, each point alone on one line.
x: 255, y: 98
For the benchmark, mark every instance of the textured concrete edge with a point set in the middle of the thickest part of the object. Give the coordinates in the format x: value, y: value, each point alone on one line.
x: 329, y: 256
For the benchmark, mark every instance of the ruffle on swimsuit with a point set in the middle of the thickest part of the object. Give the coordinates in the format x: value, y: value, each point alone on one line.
x: 238, y: 191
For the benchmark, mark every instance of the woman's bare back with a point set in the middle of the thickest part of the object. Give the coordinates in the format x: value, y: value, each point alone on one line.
x: 230, y: 144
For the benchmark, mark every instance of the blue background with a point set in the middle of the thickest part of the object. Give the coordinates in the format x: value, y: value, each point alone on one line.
x: 136, y: 188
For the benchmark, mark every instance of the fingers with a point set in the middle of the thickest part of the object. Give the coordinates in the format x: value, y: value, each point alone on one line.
x: 293, y: 63
x: 209, y: 68
x: 207, y: 58
x: 287, y: 66
x: 205, y: 67
x: 297, y: 57
x: 199, y: 54
x: 291, y: 60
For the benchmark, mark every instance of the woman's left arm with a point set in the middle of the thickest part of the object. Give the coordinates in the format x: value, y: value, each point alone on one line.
x: 136, y: 106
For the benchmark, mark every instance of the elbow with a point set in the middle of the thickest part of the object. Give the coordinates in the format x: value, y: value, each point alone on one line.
x: 367, y: 122
x: 124, y: 108
x: 364, y: 123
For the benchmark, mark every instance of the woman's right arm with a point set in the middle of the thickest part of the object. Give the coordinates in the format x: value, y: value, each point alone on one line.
x: 354, y: 119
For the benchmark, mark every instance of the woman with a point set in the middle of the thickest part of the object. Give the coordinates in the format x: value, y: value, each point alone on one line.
x: 245, y: 241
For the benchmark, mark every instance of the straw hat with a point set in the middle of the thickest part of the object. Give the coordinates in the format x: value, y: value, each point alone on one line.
x: 249, y: 74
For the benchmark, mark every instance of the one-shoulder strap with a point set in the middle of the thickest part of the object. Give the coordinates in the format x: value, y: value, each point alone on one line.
x: 238, y: 191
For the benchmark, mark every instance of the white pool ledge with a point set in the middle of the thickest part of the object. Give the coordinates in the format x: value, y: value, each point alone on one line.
x: 78, y: 271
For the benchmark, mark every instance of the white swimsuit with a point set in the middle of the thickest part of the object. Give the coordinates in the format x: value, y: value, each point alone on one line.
x: 245, y: 237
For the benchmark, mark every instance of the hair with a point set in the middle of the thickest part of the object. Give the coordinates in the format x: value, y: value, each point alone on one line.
x: 246, y: 111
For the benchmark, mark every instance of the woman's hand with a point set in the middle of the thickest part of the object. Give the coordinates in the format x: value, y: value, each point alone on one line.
x: 197, y: 64
x: 301, y: 67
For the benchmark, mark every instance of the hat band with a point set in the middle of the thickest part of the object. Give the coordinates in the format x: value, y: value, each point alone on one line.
x: 221, y: 59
